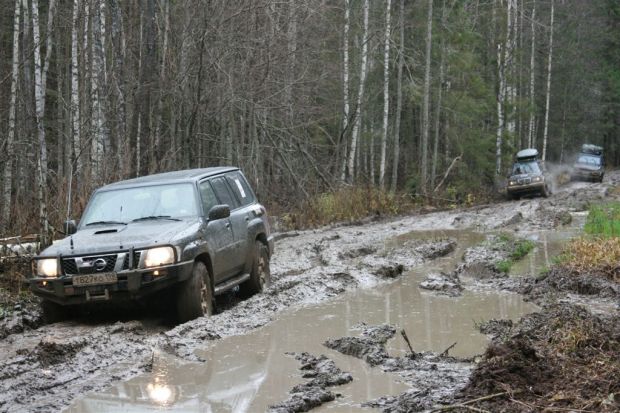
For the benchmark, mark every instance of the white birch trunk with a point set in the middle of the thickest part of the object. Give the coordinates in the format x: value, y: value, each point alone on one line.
x: 439, y: 98
x: 360, y: 96
x: 345, y: 85
x: 530, y: 130
x: 548, y: 93
x: 386, y: 93
x: 500, y: 111
x: 96, y: 79
x: 399, y: 97
x: 162, y: 74
x: 509, y: 69
x: 10, y: 147
x: 426, y: 101
x: 75, y: 94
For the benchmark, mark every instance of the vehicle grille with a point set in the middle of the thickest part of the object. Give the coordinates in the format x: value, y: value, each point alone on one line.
x: 70, y: 267
x: 525, y: 181
x: 136, y: 260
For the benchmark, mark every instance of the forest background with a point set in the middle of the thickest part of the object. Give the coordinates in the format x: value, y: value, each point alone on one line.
x: 307, y: 97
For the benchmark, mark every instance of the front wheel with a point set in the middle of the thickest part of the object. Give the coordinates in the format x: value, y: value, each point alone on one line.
x: 545, y: 191
x: 195, y: 296
x: 260, y: 276
x: 53, y: 312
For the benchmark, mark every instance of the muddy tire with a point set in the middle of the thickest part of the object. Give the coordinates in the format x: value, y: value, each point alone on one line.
x: 545, y: 191
x: 53, y: 312
x: 260, y: 276
x: 195, y: 295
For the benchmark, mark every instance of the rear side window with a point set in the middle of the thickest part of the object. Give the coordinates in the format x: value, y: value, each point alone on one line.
x: 223, y: 193
x: 209, y: 200
x: 241, y: 188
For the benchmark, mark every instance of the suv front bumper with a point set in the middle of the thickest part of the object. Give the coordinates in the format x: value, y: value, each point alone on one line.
x: 526, y: 188
x: 130, y: 285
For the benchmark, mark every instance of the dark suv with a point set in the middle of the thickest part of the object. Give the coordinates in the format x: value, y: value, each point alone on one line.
x: 590, y: 164
x: 190, y: 235
x: 527, y: 176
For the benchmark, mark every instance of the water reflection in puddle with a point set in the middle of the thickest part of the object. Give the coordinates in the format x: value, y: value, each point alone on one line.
x: 248, y: 373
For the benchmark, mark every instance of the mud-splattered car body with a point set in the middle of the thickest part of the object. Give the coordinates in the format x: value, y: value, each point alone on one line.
x: 177, y: 232
x: 590, y: 164
x: 527, y: 176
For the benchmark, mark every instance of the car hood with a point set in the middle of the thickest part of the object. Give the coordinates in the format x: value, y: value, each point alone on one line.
x: 110, y: 238
x: 522, y: 176
x: 586, y: 167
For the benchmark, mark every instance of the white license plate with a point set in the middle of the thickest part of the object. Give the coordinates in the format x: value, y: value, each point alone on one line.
x: 93, y: 279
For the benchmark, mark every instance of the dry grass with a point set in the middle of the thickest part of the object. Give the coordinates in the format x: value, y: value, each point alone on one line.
x: 593, y: 256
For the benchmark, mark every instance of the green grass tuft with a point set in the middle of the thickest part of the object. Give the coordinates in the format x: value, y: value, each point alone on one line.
x: 604, y: 220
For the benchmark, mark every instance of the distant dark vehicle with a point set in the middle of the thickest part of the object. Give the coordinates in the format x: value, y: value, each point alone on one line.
x: 187, y: 235
x: 590, y: 164
x: 527, y: 176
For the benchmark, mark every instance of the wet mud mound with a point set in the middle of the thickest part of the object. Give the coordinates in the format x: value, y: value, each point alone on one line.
x: 431, y: 376
x: 322, y: 374
x: 562, y: 359
x: 18, y: 313
x: 562, y: 280
x: 443, y: 283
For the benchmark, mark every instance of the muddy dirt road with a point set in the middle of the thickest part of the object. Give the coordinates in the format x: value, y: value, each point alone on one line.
x: 325, y: 284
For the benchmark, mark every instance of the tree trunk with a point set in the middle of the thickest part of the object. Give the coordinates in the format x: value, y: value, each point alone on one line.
x: 97, y: 78
x: 530, y: 130
x: 548, y: 93
x: 439, y: 97
x: 399, y: 96
x: 360, y: 96
x: 345, y: 86
x: 426, y: 102
x: 10, y: 146
x: 386, y: 93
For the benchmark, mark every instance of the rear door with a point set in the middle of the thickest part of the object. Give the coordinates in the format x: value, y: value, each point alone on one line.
x: 219, y: 236
x: 242, y: 216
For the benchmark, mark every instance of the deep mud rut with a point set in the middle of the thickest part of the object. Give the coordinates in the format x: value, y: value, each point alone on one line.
x: 52, y: 367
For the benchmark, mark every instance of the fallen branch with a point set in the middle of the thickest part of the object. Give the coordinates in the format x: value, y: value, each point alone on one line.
x: 464, y: 405
x: 445, y: 352
x: 454, y: 161
x: 404, y: 334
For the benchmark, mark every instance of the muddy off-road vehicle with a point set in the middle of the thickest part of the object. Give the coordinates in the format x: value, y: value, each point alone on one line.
x: 590, y: 164
x: 527, y: 176
x: 182, y: 236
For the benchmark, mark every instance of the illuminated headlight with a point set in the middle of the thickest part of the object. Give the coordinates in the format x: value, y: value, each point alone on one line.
x: 47, y: 267
x: 537, y: 179
x: 159, y: 256
x: 511, y: 183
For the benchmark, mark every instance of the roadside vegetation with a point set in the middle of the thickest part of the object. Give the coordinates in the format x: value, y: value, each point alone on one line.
x: 598, y: 251
x: 516, y: 248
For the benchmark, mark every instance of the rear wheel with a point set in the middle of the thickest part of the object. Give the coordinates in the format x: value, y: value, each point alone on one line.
x: 53, y: 312
x: 195, y: 296
x: 260, y: 277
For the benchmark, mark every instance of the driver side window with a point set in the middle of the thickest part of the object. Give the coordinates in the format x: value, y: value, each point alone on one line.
x: 208, y: 197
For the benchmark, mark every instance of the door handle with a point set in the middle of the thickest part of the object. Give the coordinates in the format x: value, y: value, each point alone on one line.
x: 247, y: 218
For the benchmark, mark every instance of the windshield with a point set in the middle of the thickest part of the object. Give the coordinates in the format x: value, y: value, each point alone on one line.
x: 125, y: 205
x: 589, y: 160
x: 520, y: 168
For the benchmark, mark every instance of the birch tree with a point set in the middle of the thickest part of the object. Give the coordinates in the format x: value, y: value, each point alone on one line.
x: 530, y: 129
x: 10, y: 146
x: 426, y: 102
x: 386, y: 93
x: 399, y: 96
x: 75, y: 95
x: 345, y: 87
x: 548, y: 92
x: 501, y: 93
x: 97, y: 77
x: 360, y: 96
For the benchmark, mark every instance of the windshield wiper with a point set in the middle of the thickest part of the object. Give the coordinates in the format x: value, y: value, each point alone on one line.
x: 106, y: 222
x: 155, y: 217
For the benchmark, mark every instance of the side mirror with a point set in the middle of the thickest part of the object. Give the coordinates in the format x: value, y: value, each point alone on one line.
x: 70, y: 227
x: 219, y: 212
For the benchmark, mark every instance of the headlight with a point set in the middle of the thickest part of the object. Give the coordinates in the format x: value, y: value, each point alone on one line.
x: 47, y: 267
x: 512, y: 183
x: 159, y: 256
x: 537, y: 179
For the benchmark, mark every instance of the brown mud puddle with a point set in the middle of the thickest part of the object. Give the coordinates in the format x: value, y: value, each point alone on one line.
x: 250, y: 372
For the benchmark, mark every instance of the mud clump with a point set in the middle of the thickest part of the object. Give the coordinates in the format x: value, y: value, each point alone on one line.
x: 443, y: 283
x: 560, y: 279
x: 389, y: 271
x: 323, y: 373
x: 358, y: 252
x: 437, y: 249
x: 370, y: 347
x: 50, y: 351
x: 564, y: 358
x: 18, y: 313
x: 432, y: 377
x: 496, y: 328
